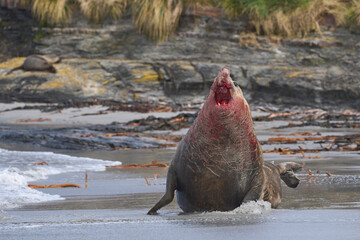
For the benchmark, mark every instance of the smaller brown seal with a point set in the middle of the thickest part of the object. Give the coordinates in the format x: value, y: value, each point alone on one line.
x: 38, y: 63
x: 272, y: 186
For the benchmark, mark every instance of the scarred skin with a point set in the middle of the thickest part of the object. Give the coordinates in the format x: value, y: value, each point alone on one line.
x: 219, y: 164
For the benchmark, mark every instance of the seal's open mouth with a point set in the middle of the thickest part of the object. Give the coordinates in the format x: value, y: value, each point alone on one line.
x: 221, y: 87
x: 222, y: 94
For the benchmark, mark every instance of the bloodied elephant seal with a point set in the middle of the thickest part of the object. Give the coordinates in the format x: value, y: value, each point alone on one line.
x: 219, y: 165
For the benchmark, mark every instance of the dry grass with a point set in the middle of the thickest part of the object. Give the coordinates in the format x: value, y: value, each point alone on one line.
x: 52, y: 12
x: 202, y: 3
x: 98, y: 10
x: 24, y: 3
x: 301, y: 21
x: 248, y: 40
x: 58, y: 12
x: 157, y: 19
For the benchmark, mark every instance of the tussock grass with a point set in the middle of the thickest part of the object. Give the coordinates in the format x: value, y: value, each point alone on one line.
x: 248, y: 40
x: 353, y: 15
x: 202, y: 3
x: 260, y: 8
x: 157, y: 19
x: 98, y: 10
x: 52, y: 11
x: 286, y: 18
x: 306, y: 21
x: 301, y: 21
x: 58, y: 12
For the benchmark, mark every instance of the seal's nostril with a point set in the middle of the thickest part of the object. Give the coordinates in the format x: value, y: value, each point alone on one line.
x: 225, y: 70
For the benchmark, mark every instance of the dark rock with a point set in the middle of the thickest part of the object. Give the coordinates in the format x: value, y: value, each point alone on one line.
x: 116, y: 63
x: 99, y: 136
x: 183, y: 79
x: 75, y: 139
x: 183, y: 120
x: 16, y: 34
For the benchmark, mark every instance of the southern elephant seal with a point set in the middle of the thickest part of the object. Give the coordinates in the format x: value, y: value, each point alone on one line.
x: 38, y: 63
x: 219, y: 165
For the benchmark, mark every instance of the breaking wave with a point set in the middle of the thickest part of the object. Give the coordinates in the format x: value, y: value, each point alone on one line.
x: 17, y: 169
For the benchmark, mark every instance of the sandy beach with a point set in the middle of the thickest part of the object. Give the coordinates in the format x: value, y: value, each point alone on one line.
x: 70, y: 116
x: 126, y: 91
x: 116, y: 201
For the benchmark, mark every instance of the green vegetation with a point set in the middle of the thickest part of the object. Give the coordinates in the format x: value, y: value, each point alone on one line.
x: 261, y: 8
x: 353, y: 15
x: 286, y: 17
x: 158, y: 19
x: 300, y: 20
x: 39, y: 35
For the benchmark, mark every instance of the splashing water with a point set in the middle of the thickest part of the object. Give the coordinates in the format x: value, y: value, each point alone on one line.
x: 17, y: 169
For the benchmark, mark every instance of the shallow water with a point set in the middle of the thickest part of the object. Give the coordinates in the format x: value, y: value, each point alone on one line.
x: 116, y: 201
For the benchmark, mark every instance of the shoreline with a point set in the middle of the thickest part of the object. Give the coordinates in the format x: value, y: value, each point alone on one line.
x: 116, y: 202
x: 99, y: 128
x: 12, y: 114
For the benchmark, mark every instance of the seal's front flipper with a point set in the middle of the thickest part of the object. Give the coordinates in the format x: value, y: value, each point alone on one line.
x: 12, y: 70
x: 287, y: 174
x: 169, y: 192
x: 290, y: 179
x: 255, y: 191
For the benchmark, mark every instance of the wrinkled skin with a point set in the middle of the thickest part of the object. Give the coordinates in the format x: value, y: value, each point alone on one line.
x: 219, y: 164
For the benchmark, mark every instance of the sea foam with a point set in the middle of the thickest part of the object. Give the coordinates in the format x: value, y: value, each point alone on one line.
x: 249, y: 208
x: 17, y: 169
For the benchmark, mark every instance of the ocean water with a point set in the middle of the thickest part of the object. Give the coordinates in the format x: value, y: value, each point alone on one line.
x: 115, y: 204
x: 17, y: 169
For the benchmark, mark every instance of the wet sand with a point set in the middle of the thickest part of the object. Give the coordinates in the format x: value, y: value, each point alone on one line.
x: 115, y: 204
x: 11, y: 113
x: 115, y: 224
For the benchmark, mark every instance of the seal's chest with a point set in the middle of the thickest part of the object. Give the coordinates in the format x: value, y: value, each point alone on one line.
x: 208, y: 193
x: 218, y: 164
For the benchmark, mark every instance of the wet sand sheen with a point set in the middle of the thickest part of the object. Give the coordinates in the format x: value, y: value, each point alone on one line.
x: 116, y: 201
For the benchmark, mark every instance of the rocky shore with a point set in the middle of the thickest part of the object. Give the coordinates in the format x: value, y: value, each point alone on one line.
x: 109, y: 131
x: 116, y: 70
x: 116, y: 91
x: 115, y: 63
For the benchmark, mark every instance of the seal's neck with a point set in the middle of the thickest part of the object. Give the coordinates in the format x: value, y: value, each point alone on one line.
x: 220, y: 121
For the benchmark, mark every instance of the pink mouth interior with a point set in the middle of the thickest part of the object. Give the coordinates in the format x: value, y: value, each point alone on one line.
x: 222, y: 94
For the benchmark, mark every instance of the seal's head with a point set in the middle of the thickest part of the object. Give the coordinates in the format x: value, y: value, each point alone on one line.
x: 225, y: 122
x: 225, y: 111
x: 226, y: 94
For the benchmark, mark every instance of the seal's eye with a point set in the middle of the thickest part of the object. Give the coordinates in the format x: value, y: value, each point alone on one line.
x: 236, y: 84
